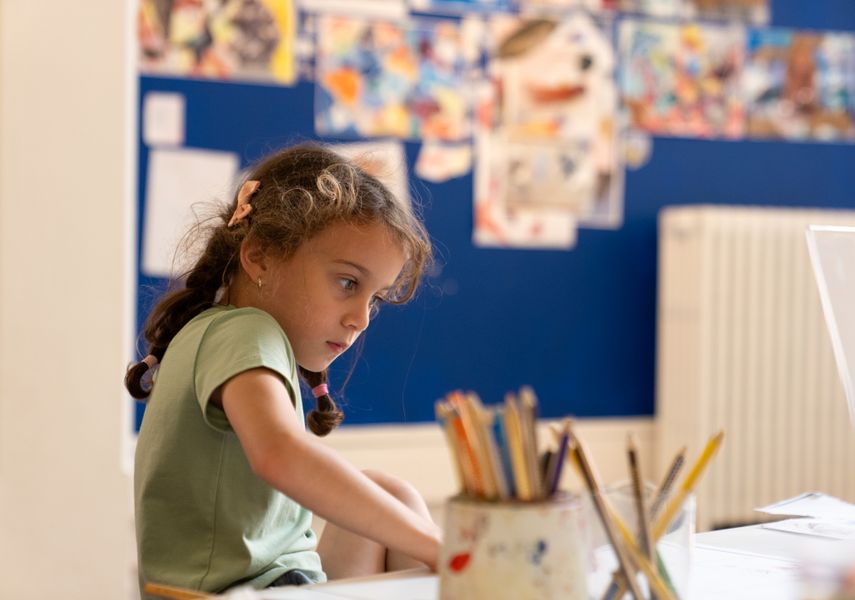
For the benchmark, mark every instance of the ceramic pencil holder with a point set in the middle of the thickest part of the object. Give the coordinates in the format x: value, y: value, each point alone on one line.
x: 513, y: 550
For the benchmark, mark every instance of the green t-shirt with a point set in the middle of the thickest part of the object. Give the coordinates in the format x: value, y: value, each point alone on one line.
x: 204, y: 520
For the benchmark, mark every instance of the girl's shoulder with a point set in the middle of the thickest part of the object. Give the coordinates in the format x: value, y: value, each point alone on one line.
x: 226, y: 313
x: 229, y: 324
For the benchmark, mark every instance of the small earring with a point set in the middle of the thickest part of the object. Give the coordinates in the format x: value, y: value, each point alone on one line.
x: 259, y: 283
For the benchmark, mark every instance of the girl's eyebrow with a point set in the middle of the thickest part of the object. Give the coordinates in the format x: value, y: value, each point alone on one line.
x: 362, y: 270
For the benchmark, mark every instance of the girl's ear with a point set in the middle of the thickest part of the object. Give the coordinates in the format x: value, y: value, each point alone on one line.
x: 253, y: 260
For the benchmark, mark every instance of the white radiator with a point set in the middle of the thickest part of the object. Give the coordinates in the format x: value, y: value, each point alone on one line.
x: 742, y: 346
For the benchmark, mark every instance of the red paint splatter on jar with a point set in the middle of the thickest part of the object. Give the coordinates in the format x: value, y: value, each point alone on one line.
x: 459, y: 562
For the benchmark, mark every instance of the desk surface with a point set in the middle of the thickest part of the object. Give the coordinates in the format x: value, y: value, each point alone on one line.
x: 745, y: 562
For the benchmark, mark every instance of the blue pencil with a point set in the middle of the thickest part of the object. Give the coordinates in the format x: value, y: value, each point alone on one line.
x: 504, y: 451
x: 556, y: 465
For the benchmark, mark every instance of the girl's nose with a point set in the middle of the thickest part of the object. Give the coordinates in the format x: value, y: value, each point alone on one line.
x: 359, y: 316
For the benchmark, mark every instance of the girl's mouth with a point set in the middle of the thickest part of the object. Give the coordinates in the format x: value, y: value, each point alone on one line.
x: 337, y: 348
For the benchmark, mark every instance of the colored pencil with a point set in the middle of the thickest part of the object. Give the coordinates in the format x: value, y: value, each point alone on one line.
x: 661, y: 495
x: 443, y: 415
x: 645, y: 541
x: 662, y: 522
x: 528, y: 421
x: 491, y: 450
x: 474, y: 433
x: 673, y: 506
x: 556, y: 466
x: 501, y: 434
x: 667, y: 483
x: 515, y: 443
x: 604, y: 511
x: 653, y: 578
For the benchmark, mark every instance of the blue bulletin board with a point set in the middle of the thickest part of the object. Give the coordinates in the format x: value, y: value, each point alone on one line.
x: 578, y: 325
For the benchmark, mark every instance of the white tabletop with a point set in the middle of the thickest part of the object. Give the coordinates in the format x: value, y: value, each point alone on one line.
x: 746, y: 562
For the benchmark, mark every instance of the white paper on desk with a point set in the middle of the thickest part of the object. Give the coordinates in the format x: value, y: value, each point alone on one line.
x: 835, y: 530
x: 425, y: 587
x: 178, y: 181
x: 812, y: 504
x: 292, y: 593
x: 413, y: 584
x: 718, y: 573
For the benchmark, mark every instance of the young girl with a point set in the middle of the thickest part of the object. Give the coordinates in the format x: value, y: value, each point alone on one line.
x: 225, y: 473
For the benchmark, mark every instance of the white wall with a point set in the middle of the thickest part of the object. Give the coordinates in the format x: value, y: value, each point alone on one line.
x: 65, y: 90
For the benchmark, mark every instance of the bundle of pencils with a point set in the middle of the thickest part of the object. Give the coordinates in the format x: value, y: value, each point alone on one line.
x: 495, y: 450
x: 640, y: 553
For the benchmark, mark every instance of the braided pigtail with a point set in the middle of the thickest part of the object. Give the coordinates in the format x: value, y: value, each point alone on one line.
x: 326, y: 416
x: 177, y: 308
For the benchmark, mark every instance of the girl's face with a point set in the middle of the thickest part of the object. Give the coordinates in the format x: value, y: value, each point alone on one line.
x: 322, y: 296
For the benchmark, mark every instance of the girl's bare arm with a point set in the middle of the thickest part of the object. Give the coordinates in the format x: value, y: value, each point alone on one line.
x: 279, y: 451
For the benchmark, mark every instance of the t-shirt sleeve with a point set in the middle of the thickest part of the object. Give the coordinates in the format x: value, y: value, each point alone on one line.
x: 237, y: 341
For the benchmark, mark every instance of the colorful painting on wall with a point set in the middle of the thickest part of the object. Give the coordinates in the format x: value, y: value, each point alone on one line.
x: 683, y: 79
x: 800, y: 85
x: 245, y: 40
x: 399, y: 79
x: 546, y: 150
x: 751, y: 11
x: 461, y: 6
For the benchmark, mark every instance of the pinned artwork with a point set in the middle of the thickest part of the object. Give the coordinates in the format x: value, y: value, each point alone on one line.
x: 384, y: 78
x: 800, y: 85
x: 539, y: 6
x: 246, y: 40
x: 637, y: 148
x: 546, y: 143
x: 382, y: 9
x: 498, y: 222
x: 179, y: 182
x: 752, y: 11
x: 438, y: 161
x: 461, y: 6
x: 683, y: 79
x: 653, y: 8
x: 163, y: 117
x: 384, y: 159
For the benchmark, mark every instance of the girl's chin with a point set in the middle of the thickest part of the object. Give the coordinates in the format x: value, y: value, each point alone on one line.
x: 315, y: 366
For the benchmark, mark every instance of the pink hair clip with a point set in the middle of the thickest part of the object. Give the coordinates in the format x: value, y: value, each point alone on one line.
x: 243, y: 207
x: 320, y: 390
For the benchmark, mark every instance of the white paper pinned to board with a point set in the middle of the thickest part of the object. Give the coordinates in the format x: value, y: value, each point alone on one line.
x: 179, y: 180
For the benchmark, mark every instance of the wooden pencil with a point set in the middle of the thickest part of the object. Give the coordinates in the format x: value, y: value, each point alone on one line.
x: 528, y: 421
x: 470, y: 413
x: 604, y: 511
x: 515, y: 447
x: 667, y: 483
x: 614, y: 589
x: 445, y: 414
x: 673, y: 506
x: 645, y: 540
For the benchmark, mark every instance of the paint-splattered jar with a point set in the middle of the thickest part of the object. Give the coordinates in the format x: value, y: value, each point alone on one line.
x: 513, y: 550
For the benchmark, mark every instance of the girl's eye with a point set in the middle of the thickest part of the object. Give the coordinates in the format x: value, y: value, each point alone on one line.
x: 347, y: 284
